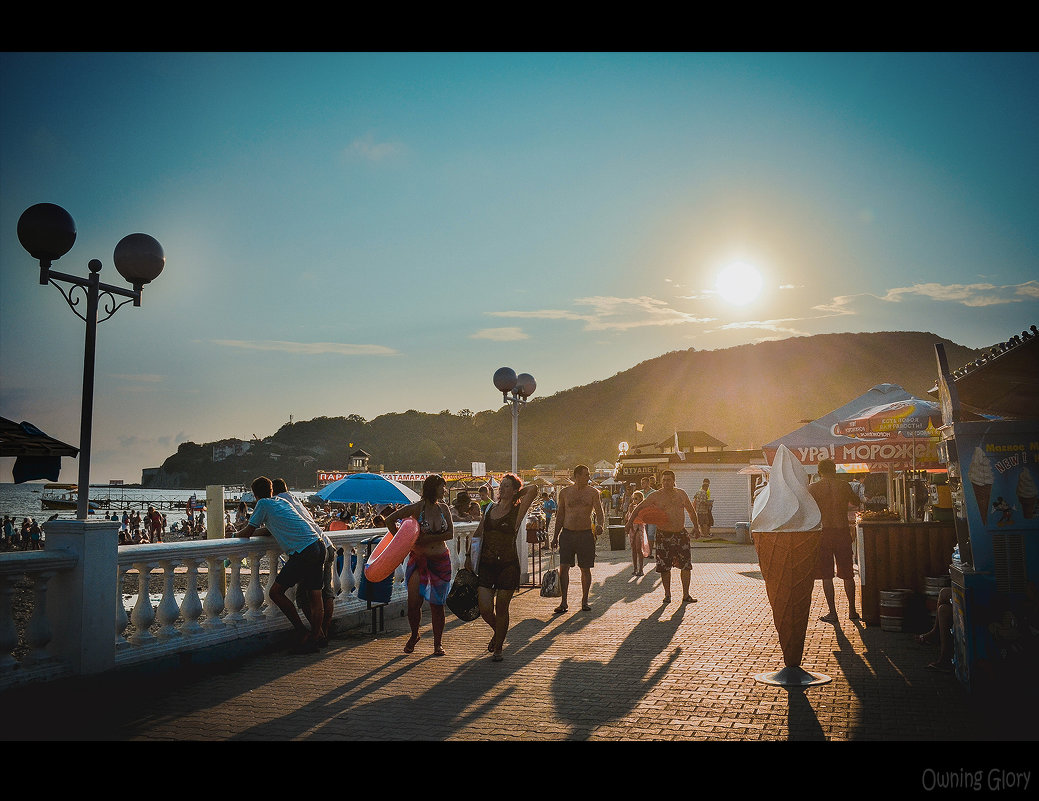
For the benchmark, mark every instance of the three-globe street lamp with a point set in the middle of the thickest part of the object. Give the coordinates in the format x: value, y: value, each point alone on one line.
x: 514, y: 389
x: 48, y: 232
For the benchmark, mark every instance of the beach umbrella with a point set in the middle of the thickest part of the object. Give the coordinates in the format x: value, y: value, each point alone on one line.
x: 367, y: 488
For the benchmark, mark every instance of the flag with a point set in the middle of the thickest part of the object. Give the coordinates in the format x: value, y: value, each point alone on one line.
x: 680, y: 454
x: 638, y: 426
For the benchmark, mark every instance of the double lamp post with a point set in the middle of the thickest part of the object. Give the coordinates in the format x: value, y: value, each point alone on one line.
x: 48, y: 232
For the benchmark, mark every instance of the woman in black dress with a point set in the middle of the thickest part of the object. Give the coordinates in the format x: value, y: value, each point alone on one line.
x: 499, y: 567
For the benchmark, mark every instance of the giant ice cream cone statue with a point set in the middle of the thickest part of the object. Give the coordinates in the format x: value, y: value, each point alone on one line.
x: 788, y: 560
x: 786, y: 525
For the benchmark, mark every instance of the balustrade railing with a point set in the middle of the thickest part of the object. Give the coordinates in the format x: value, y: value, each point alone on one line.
x: 167, y: 598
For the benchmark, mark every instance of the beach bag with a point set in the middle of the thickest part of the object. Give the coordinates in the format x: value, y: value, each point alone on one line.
x: 550, y: 587
x: 463, y: 599
x: 645, y: 543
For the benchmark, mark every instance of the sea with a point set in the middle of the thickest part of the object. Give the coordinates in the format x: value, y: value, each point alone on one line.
x: 23, y: 500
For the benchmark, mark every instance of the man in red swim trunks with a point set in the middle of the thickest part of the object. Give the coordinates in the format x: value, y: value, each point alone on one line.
x: 672, y: 542
x: 833, y: 497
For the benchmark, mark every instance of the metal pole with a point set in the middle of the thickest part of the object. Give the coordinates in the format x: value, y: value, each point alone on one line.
x: 86, y: 415
x: 515, y: 433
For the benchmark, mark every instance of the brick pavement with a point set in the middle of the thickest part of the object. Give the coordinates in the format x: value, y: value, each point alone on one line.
x: 631, y: 669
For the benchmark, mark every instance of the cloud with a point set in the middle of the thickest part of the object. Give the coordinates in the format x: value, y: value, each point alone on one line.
x: 144, y: 378
x: 308, y: 348
x: 613, y: 313
x: 504, y: 334
x: 776, y: 327
x: 368, y: 149
x: 967, y: 294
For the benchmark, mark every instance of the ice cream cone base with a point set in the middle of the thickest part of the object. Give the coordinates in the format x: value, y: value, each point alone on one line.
x: 982, y: 492
x: 793, y: 677
x: 788, y: 560
x: 1027, y: 507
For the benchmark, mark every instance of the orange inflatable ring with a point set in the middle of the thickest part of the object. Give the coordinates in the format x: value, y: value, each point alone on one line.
x: 653, y: 516
x: 391, y: 551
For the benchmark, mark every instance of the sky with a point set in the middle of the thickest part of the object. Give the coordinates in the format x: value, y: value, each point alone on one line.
x: 363, y: 233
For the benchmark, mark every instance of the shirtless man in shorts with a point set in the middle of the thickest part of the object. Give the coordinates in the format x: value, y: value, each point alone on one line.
x: 575, y: 534
x: 672, y: 543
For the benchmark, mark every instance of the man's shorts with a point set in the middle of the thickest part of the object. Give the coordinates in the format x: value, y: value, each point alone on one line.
x: 835, y: 546
x: 304, y: 568
x: 672, y: 550
x: 577, y: 543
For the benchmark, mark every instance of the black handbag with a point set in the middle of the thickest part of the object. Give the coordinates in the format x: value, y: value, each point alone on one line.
x: 463, y: 600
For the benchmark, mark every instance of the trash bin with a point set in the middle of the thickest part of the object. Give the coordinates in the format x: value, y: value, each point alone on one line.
x: 616, y: 538
x: 743, y: 532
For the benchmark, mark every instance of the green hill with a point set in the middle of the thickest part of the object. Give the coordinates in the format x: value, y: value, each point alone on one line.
x: 745, y: 396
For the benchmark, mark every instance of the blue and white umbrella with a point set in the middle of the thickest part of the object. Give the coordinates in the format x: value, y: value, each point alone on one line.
x: 367, y: 488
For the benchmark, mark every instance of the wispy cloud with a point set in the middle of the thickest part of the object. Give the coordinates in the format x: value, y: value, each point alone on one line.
x: 504, y: 334
x: 143, y: 378
x: 780, y: 329
x: 613, y: 313
x: 968, y: 294
x: 367, y: 148
x: 308, y: 348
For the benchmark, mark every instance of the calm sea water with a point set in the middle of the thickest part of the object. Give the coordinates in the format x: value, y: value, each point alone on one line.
x: 23, y: 500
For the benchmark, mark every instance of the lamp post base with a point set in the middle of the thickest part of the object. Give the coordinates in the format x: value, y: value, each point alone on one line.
x: 792, y: 677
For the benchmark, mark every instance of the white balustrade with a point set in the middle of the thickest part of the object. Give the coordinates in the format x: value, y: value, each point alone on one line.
x: 191, y: 606
x: 168, y: 610
x: 78, y: 582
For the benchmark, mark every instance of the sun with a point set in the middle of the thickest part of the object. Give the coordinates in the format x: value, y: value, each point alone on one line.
x: 739, y: 283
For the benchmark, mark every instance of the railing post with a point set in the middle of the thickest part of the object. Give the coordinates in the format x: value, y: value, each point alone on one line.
x: 82, y: 599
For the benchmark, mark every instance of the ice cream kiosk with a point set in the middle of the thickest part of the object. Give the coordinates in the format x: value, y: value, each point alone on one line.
x: 993, y: 466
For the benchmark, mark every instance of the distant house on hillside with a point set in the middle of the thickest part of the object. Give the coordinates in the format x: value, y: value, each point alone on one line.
x: 358, y: 462
x: 696, y: 456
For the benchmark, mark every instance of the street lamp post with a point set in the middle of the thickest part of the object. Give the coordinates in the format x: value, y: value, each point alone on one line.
x: 48, y: 232
x: 515, y: 389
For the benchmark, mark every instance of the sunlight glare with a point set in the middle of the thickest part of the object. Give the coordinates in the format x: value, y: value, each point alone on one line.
x: 739, y: 283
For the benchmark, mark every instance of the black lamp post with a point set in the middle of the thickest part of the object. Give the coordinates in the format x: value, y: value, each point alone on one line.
x: 515, y: 389
x: 48, y: 232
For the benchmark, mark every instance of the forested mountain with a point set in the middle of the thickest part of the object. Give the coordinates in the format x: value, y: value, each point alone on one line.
x: 745, y: 396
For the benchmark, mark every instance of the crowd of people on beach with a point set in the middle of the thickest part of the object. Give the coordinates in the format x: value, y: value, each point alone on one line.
x: 25, y: 537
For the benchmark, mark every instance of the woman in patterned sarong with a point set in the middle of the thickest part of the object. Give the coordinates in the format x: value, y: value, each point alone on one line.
x: 428, y: 574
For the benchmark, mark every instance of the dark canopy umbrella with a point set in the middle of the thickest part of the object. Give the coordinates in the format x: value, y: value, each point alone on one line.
x: 38, y: 456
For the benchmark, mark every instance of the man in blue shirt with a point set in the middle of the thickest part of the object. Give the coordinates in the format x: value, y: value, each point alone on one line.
x: 306, y: 552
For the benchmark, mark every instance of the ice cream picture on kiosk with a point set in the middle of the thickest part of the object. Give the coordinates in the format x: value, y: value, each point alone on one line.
x: 787, y: 526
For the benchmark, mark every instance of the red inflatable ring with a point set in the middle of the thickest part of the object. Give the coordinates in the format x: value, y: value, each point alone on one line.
x: 391, y: 551
x: 653, y: 516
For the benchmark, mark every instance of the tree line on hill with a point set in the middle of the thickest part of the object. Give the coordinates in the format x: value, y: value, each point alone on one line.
x: 744, y: 396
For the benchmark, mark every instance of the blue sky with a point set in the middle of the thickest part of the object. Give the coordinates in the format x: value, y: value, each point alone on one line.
x: 366, y: 233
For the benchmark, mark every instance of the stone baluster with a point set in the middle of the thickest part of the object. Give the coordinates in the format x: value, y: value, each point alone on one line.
x: 8, y: 631
x: 254, y: 592
x: 122, y: 620
x: 337, y: 579
x: 358, y: 570
x: 272, y: 560
x: 235, y: 597
x: 346, y: 576
x: 214, y: 603
x: 143, y: 613
x: 191, y: 606
x: 38, y: 632
x: 168, y: 610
